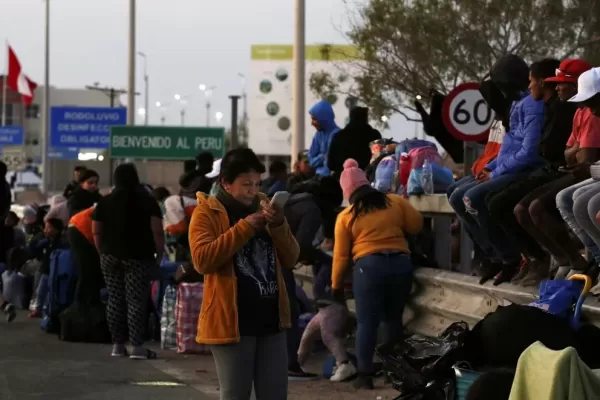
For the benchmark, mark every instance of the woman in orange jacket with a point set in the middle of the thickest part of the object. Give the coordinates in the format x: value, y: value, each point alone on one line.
x: 372, y: 234
x: 240, y: 243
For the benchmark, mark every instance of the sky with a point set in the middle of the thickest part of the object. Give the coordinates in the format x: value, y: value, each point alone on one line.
x: 187, y: 43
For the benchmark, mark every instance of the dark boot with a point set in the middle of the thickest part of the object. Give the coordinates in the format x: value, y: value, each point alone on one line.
x: 489, y: 270
x: 364, y: 381
x: 507, y: 272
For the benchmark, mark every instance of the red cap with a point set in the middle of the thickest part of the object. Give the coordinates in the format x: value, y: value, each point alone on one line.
x: 569, y: 70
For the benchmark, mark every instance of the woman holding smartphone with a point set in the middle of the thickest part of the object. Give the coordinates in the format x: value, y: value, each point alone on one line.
x: 240, y: 242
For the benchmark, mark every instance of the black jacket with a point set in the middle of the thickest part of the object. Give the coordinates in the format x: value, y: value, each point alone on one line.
x: 81, y: 199
x: 352, y: 142
x: 558, y: 125
x: 304, y: 218
x: 193, y: 182
x: 70, y: 188
x: 5, y: 199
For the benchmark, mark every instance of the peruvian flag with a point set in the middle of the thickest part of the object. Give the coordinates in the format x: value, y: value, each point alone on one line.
x: 17, y: 80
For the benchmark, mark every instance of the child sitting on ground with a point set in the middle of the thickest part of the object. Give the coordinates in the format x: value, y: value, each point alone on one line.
x: 42, y: 249
x: 331, y: 324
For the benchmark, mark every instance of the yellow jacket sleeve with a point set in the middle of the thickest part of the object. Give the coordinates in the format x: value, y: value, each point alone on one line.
x: 209, y: 250
x: 412, y: 218
x: 342, y: 249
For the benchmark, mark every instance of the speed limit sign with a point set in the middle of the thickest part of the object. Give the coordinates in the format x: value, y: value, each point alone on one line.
x: 13, y: 157
x: 465, y: 113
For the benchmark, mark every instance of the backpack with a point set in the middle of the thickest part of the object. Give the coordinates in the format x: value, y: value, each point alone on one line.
x: 62, y: 281
x: 415, y: 159
x: 177, y: 212
x: 384, y: 174
x: 407, y: 145
x: 442, y: 178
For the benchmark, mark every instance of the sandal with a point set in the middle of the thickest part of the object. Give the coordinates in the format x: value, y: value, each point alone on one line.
x: 150, y: 355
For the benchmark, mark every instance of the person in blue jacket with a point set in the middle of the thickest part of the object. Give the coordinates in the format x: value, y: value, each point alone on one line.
x: 519, y: 154
x: 323, y: 119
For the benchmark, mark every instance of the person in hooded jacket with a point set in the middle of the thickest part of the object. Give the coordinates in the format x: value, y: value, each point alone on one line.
x: 74, y: 184
x: 323, y: 119
x: 86, y: 194
x: 519, y: 155
x: 194, y: 179
x: 352, y: 142
x: 558, y: 125
x: 308, y: 206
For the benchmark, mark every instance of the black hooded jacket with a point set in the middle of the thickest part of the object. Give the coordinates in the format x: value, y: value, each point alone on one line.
x: 352, y: 142
x: 81, y: 199
x: 193, y: 182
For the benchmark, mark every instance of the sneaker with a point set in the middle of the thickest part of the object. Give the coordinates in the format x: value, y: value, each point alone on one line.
x: 298, y: 374
x: 9, y: 311
x: 537, y: 274
x: 35, y: 314
x: 524, y: 268
x: 364, y: 382
x: 343, y: 373
x: 489, y: 271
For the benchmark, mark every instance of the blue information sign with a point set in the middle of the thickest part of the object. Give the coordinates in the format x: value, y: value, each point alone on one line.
x: 12, y: 136
x: 63, y: 153
x: 84, y: 127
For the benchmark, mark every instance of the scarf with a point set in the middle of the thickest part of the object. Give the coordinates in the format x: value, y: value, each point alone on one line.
x: 236, y: 210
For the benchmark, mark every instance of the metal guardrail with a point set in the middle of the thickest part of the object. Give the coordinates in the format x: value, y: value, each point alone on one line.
x: 442, y: 297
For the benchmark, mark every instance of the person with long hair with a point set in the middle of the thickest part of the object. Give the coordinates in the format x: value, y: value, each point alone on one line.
x: 127, y: 230
x: 241, y: 243
x: 372, y: 233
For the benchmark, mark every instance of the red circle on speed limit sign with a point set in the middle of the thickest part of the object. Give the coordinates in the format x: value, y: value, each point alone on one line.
x: 465, y: 113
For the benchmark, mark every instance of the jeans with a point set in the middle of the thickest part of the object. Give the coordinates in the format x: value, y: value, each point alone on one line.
x: 454, y: 185
x: 477, y: 234
x: 565, y: 201
x: 255, y: 360
x: 586, y: 204
x: 381, y: 283
x: 475, y: 204
x: 42, y: 293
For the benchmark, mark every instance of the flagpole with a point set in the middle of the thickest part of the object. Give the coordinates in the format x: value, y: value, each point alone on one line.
x: 46, y: 110
x: 4, y: 81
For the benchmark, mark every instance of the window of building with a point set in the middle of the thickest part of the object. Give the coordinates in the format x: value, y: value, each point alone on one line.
x: 32, y: 111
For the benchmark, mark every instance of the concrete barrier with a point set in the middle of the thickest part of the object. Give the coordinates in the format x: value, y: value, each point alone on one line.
x: 443, y: 297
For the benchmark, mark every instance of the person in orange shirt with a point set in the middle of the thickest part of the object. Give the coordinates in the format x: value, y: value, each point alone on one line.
x: 90, y: 280
x: 372, y: 233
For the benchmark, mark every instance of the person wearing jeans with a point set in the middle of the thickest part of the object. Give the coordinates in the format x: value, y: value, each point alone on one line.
x: 372, y: 233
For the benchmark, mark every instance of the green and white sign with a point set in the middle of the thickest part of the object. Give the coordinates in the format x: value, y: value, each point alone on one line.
x: 165, y: 143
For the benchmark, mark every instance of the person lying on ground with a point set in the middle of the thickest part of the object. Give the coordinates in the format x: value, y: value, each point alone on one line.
x: 518, y: 156
x: 558, y: 127
x: 372, y: 233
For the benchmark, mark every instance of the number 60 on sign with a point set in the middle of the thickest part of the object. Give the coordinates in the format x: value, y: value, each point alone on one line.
x: 465, y: 113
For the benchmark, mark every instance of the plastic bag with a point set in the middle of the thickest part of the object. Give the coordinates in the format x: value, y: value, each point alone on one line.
x: 559, y: 297
x: 421, y: 367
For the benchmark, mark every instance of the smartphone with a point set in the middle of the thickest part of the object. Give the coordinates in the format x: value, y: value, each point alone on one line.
x: 279, y: 199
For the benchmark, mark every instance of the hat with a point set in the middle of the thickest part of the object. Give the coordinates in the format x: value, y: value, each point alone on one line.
x: 216, y: 169
x: 352, y: 178
x: 588, y: 85
x: 569, y: 70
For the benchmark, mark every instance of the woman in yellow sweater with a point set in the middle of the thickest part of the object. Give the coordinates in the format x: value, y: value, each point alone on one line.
x: 371, y: 232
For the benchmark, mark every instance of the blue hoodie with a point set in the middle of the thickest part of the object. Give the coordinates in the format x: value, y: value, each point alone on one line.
x: 520, y: 150
x: 317, y: 154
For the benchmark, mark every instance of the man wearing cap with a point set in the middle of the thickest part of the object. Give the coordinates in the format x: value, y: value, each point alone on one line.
x: 557, y: 128
x: 546, y: 204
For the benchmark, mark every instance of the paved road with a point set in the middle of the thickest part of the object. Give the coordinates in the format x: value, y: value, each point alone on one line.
x: 36, y: 365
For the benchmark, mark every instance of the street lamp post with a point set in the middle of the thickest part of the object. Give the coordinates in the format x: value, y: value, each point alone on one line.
x: 146, y: 85
x: 207, y: 90
x: 299, y: 79
x: 46, y: 113
x: 245, y: 108
x: 131, y: 75
x: 182, y: 100
x: 163, y: 109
